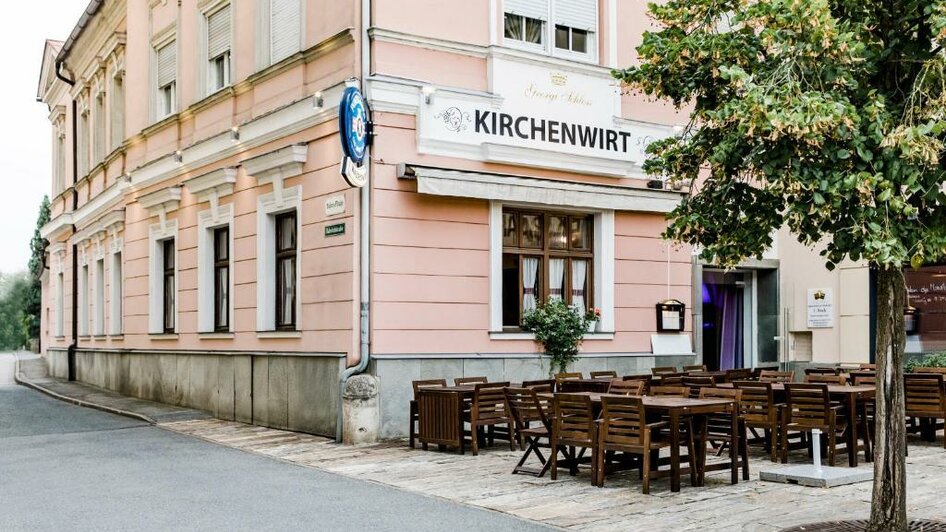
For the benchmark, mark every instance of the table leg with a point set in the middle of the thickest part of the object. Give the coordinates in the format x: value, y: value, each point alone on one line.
x: 674, y: 450
x: 852, y: 430
x: 734, y: 446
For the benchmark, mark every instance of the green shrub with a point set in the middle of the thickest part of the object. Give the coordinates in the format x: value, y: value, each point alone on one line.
x: 559, y: 328
x: 934, y: 360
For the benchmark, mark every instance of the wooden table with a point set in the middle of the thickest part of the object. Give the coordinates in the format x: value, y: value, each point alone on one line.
x: 848, y: 396
x: 440, y: 415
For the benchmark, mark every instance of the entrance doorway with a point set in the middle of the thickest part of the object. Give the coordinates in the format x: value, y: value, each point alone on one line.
x: 724, y: 320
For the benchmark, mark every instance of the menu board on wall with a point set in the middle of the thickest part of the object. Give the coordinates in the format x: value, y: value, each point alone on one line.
x: 820, y: 308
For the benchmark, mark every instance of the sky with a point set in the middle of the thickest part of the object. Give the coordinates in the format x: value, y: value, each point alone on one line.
x: 25, y: 141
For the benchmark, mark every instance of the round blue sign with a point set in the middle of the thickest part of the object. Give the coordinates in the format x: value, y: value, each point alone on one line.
x: 353, y: 124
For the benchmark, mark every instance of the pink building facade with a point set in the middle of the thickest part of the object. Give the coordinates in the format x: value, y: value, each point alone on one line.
x: 205, y: 250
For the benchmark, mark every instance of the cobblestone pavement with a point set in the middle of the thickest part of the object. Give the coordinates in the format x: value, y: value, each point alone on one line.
x: 571, y: 502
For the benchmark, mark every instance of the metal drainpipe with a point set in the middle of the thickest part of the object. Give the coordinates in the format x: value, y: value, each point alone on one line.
x: 364, y: 255
x: 71, y: 350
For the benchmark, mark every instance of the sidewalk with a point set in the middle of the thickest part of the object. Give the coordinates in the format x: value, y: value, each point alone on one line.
x: 31, y: 372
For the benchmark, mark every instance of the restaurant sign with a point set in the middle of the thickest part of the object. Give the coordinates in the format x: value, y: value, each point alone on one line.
x: 536, y: 108
x: 820, y: 308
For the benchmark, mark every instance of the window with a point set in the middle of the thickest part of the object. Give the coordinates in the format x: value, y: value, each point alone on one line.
x: 166, y: 69
x: 545, y: 256
x: 115, y: 298
x: 524, y: 29
x: 218, y: 49
x: 221, y: 243
x: 82, y: 146
x: 99, y: 323
x: 571, y: 39
x: 98, y: 138
x: 286, y: 271
x: 60, y: 170
x: 84, y: 301
x: 280, y: 25
x: 117, y: 101
x: 169, y: 287
x: 60, y: 304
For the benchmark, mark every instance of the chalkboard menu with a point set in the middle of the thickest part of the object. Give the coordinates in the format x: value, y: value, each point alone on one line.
x: 926, y: 290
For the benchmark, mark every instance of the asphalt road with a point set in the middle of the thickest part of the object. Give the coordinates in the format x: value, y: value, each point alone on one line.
x: 64, y: 467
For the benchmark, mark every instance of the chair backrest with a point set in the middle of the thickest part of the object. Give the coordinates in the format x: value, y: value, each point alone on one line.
x: 576, y: 386
x: 822, y: 378
x: 699, y: 367
x: 757, y: 401
x: 870, y: 367
x: 574, y: 419
x: 623, y: 387
x: 695, y: 383
x: 672, y: 379
x: 739, y: 374
x: 609, y: 374
x: 559, y: 377
x: 489, y: 401
x: 460, y: 381
x: 661, y: 370
x: 543, y: 382
x: 821, y: 371
x: 808, y: 404
x: 924, y: 393
x: 862, y: 379
x: 669, y: 391
x: 854, y: 375
x: 767, y: 375
x: 721, y: 423
x: 623, y: 421
x: 930, y: 370
x: 429, y: 383
x: 525, y: 407
x: 721, y: 393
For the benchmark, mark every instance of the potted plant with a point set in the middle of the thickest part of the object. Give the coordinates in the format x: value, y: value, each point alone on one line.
x: 560, y: 329
x: 592, y: 316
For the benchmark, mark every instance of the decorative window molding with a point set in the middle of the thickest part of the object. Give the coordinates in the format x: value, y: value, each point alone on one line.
x: 161, y: 202
x: 207, y: 221
x: 277, y: 166
x: 270, y: 205
x: 57, y: 254
x: 212, y: 186
x: 157, y: 235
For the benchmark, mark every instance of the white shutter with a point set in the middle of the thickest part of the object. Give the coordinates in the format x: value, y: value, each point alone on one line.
x: 528, y: 8
x: 285, y: 29
x: 579, y: 14
x: 167, y: 63
x: 218, y: 32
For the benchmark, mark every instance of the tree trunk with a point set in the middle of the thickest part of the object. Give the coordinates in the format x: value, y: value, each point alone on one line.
x: 889, y: 501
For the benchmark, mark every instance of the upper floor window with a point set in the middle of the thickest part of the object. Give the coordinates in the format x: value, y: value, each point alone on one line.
x: 280, y: 30
x: 166, y: 63
x: 571, y: 32
x: 117, y: 102
x: 218, y: 49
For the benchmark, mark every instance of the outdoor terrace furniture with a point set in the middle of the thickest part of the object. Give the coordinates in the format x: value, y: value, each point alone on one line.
x: 543, y: 382
x: 941, y: 371
x: 699, y: 367
x: 583, y: 385
x: 488, y: 410
x: 776, y: 376
x: 719, y: 430
x: 740, y: 374
x: 824, y: 378
x: 696, y: 383
x: 460, y: 381
x: 671, y: 379
x: 863, y: 377
x: 609, y: 374
x: 532, y: 418
x: 926, y: 401
x: 414, y: 415
x: 870, y: 367
x: 440, y: 415
x: 821, y: 371
x: 560, y: 377
x: 669, y: 391
x: 623, y: 387
x: 809, y: 407
x: 760, y: 411
x: 646, y: 379
x: 573, y: 427
x: 663, y: 370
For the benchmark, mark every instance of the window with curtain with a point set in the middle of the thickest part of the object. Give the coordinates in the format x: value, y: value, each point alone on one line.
x: 576, y: 22
x: 286, y: 245
x: 570, y: 25
x: 218, y: 49
x: 546, y: 255
x: 222, y: 279
x: 170, y: 290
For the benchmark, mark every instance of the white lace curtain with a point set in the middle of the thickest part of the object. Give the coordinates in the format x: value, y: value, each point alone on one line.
x: 579, y: 278
x: 556, y: 278
x: 530, y: 271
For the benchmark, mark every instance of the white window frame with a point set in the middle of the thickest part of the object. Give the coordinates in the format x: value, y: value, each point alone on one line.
x: 209, y: 220
x: 82, y: 144
x: 522, y: 44
x: 264, y: 56
x: 548, y: 45
x: 99, y: 128
x: 116, y: 289
x: 603, y: 267
x: 98, y: 305
x: 83, y: 294
x: 159, y: 111
x: 206, y: 64
x: 116, y: 134
x: 268, y: 206
x: 157, y: 234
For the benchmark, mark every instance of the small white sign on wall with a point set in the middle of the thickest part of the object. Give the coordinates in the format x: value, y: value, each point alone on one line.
x: 335, y: 205
x: 820, y: 308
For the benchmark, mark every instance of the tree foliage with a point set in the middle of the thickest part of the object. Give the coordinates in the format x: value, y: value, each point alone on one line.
x: 13, y: 315
x: 37, y: 265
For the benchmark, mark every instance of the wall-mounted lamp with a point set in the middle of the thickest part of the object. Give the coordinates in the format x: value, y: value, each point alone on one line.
x: 235, y: 133
x: 428, y: 93
x: 317, y: 98
x: 178, y: 156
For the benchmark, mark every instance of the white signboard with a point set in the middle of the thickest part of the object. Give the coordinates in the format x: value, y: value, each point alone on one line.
x: 536, y: 108
x: 335, y: 205
x: 820, y: 308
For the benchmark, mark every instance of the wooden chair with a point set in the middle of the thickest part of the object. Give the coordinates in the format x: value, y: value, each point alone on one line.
x: 624, y: 428
x: 926, y: 401
x: 821, y: 371
x: 662, y: 370
x: 696, y: 383
x: 542, y: 382
x: 759, y: 411
x: 739, y: 374
x: 533, y: 424
x: 941, y: 371
x: 824, y: 378
x: 414, y: 411
x: 809, y: 407
x: 623, y: 387
x: 609, y: 374
x: 669, y: 391
x: 698, y: 367
x: 489, y: 410
x: 718, y: 430
x: 461, y: 381
x: 776, y: 376
x: 868, y: 367
x: 559, y: 377
x: 672, y: 379
x: 864, y: 378
x: 573, y: 426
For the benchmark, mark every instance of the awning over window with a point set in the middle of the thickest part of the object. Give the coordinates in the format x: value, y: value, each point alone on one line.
x: 517, y: 189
